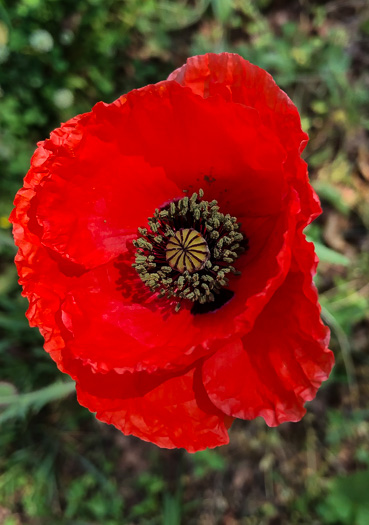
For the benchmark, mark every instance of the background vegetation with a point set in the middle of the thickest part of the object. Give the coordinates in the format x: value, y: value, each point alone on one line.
x: 58, y: 465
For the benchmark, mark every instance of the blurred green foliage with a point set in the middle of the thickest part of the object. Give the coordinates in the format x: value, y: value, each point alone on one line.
x: 347, y: 502
x: 59, y: 465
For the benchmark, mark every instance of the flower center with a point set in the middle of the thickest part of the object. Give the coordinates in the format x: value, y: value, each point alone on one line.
x: 187, y: 252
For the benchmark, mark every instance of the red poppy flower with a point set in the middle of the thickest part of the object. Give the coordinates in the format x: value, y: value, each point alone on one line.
x: 161, y: 248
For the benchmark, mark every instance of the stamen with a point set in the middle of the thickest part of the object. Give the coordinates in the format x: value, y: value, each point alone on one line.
x: 187, y: 251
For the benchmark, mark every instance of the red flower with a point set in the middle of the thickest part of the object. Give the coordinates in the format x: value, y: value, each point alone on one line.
x: 218, y: 318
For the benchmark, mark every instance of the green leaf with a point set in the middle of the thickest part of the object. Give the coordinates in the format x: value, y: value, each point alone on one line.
x: 4, y: 15
x: 171, y: 510
x: 347, y: 503
x: 7, y: 389
x: 327, y: 255
x: 345, y: 347
x: 18, y: 405
x: 207, y: 461
x: 331, y: 194
x: 222, y: 9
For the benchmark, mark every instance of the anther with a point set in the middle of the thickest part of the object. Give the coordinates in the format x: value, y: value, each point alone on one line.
x: 185, y: 253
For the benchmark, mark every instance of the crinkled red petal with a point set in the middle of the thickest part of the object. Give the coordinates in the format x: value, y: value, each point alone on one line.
x: 281, y: 363
x: 201, y: 143
x: 175, y: 414
x: 107, y: 329
x: 233, y: 78
x: 137, y: 154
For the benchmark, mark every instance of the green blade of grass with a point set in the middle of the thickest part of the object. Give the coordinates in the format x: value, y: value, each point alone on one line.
x: 18, y: 405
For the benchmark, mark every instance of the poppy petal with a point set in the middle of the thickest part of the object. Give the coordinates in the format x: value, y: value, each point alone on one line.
x: 233, y: 78
x: 177, y: 413
x: 133, y: 156
x: 281, y: 363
